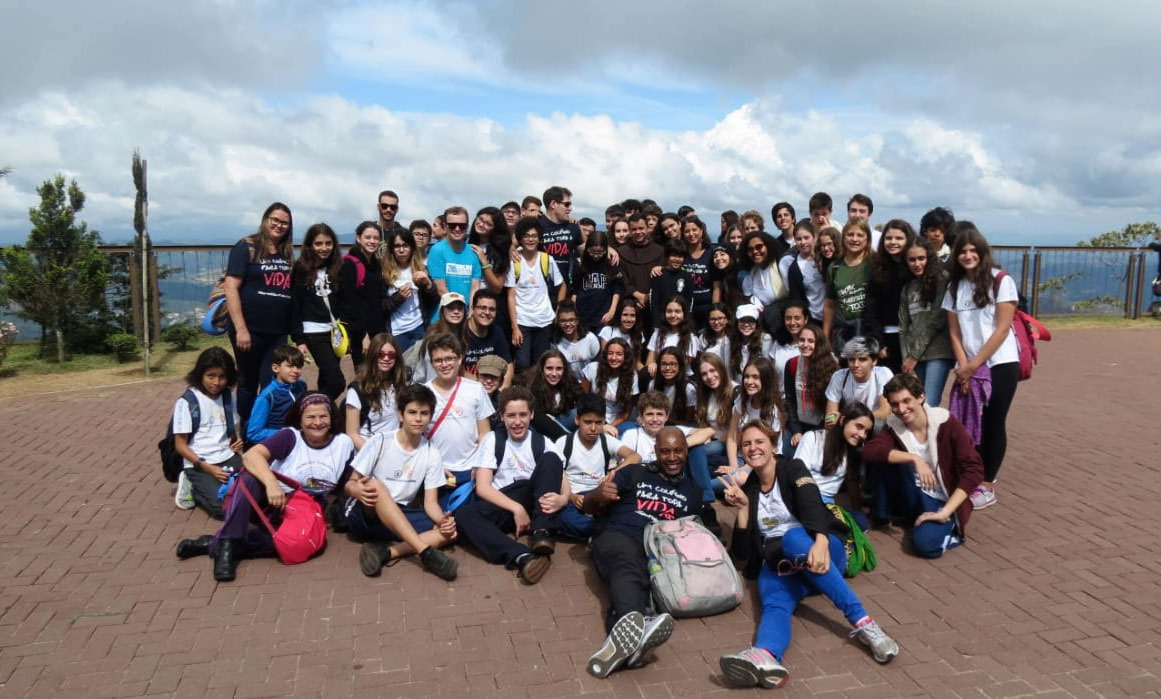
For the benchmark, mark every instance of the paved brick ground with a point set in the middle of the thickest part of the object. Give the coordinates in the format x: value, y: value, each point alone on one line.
x: 1056, y: 594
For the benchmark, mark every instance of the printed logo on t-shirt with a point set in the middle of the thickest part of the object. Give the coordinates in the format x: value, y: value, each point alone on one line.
x: 659, y: 503
x: 454, y: 269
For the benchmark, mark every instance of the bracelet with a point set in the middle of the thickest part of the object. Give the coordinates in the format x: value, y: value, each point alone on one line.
x: 486, y: 267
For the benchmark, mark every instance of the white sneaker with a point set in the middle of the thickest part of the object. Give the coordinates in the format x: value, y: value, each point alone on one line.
x: 982, y: 497
x: 624, y: 638
x: 183, y: 498
x: 658, y: 629
x: 883, y: 647
x: 753, y: 667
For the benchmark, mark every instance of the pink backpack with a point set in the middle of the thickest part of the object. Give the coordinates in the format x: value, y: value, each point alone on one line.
x: 690, y: 571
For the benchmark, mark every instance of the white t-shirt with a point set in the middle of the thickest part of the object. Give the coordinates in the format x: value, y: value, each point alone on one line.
x: 457, y: 435
x: 644, y: 445
x: 210, y: 441
x: 403, y: 472
x: 927, y: 452
x: 518, y: 463
x: 720, y: 347
x: 774, y: 517
x: 612, y: 410
x: 814, y: 284
x: 662, y: 339
x: 579, y: 353
x: 977, y: 324
x: 322, y: 289
x: 586, y: 467
x: 609, y: 332
x: 810, y: 449
x: 409, y: 315
x: 533, y: 307
x: 318, y: 469
x: 377, y: 420
x: 752, y: 413
x: 843, y: 385
x: 780, y: 355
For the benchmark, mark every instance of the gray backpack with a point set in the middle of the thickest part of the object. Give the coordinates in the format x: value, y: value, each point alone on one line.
x: 690, y: 571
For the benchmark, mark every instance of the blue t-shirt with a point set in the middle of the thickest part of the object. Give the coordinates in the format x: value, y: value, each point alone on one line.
x: 457, y: 269
x: 646, y: 495
x: 265, y: 289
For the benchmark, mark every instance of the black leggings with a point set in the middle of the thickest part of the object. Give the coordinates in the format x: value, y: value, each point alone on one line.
x: 254, y: 367
x: 330, y: 374
x: 994, y: 435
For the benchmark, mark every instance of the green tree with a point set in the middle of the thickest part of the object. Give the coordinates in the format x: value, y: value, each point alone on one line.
x: 1134, y: 235
x: 58, y: 277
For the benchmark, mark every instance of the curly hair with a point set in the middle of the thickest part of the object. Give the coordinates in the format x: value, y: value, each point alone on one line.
x: 546, y: 398
x: 819, y: 368
x: 680, y: 410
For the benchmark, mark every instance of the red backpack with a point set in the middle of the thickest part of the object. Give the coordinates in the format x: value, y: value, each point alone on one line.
x: 360, y: 270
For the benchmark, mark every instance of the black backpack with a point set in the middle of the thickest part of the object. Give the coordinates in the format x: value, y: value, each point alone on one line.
x: 172, y: 462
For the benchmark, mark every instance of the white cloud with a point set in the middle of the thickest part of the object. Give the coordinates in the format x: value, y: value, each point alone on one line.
x: 217, y: 158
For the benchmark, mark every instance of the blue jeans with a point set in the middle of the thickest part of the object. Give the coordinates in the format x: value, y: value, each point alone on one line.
x: 930, y: 539
x: 933, y: 373
x: 576, y: 524
x: 409, y: 338
x: 699, y: 471
x: 781, y: 593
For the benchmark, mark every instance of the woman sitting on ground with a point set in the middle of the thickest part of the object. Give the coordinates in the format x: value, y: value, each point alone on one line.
x: 311, y: 451
x: 792, y: 545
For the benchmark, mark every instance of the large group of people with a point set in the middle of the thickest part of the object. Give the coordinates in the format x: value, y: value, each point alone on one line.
x: 522, y: 377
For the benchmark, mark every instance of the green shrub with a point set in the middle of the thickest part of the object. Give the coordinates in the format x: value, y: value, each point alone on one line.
x: 123, y: 345
x: 180, y: 336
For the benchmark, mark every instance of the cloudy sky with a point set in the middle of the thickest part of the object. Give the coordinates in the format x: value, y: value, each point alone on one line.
x: 1037, y: 120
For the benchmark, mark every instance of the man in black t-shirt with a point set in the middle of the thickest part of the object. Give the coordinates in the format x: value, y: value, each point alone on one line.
x: 483, y: 337
x: 559, y: 236
x: 627, y: 500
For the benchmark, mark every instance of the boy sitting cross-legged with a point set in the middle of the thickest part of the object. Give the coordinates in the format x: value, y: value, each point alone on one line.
x: 520, y: 488
x: 387, y: 476
x: 589, y: 454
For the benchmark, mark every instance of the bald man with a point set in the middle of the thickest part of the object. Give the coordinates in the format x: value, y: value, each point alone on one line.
x: 625, y: 502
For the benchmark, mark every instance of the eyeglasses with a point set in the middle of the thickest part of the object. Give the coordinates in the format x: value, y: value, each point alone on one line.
x: 747, y: 321
x: 443, y: 361
x: 278, y: 223
x: 387, y: 355
x: 388, y: 207
x: 457, y: 225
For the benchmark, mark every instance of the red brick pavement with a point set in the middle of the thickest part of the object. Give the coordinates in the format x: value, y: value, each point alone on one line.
x: 1055, y: 595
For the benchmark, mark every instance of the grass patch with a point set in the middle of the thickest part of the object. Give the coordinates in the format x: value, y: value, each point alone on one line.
x: 26, y: 373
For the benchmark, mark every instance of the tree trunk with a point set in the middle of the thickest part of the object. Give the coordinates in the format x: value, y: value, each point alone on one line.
x: 60, y: 348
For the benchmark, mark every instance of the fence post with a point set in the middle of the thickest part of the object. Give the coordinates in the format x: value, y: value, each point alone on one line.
x: 1036, y: 283
x: 1130, y: 283
x: 1024, y: 273
x: 1141, y: 276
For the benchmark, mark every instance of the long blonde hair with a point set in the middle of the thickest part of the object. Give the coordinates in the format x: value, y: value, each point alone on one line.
x: 391, y: 268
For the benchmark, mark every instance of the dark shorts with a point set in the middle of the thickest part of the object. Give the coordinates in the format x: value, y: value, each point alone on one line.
x: 364, y: 524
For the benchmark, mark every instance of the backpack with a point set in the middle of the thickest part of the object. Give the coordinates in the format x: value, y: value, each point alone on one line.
x: 860, y: 552
x: 689, y: 569
x: 1026, y: 328
x: 502, y: 443
x: 217, y: 316
x: 360, y: 270
x: 172, y: 462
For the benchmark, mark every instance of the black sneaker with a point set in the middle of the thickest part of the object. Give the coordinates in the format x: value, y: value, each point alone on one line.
x: 373, y: 555
x: 542, y: 543
x: 439, y: 563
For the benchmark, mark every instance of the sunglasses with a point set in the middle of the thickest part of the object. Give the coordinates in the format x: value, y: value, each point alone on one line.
x: 387, y: 355
x: 457, y: 226
x: 388, y: 207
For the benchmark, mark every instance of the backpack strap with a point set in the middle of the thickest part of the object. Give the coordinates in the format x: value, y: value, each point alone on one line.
x: 360, y: 270
x: 544, y: 261
x: 605, y: 449
x: 568, y: 447
x: 195, y: 411
x: 228, y: 408
x: 501, y: 442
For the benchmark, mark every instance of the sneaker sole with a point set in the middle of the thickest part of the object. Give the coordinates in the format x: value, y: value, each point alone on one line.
x: 545, y: 547
x: 534, y: 570
x: 626, y: 635
x: 370, y: 562
x: 743, y: 673
x: 653, y: 638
